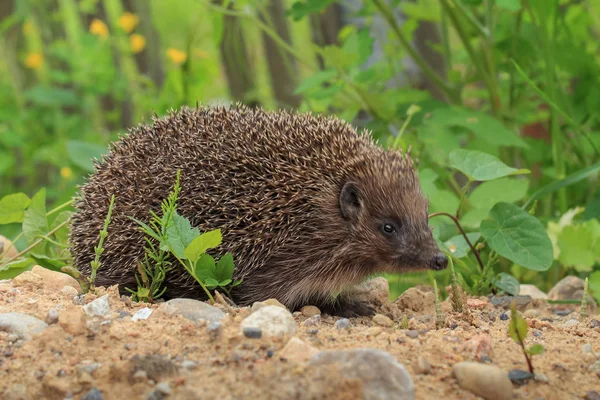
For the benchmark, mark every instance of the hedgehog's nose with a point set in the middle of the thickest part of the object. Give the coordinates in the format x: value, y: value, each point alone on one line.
x: 439, y: 261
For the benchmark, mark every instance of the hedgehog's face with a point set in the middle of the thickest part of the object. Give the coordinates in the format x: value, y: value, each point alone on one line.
x: 389, y: 223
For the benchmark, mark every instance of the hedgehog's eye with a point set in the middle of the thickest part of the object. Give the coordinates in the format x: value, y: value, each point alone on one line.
x: 389, y: 229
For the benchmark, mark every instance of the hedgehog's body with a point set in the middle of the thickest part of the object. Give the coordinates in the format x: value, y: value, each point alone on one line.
x: 304, y: 203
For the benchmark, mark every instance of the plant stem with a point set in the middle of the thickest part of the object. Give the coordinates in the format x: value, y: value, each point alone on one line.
x: 462, y: 231
x: 38, y: 241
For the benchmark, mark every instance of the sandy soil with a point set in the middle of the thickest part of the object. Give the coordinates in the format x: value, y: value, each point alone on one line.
x: 198, y: 364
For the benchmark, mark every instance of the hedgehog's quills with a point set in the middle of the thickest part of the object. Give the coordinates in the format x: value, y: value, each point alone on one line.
x: 307, y: 206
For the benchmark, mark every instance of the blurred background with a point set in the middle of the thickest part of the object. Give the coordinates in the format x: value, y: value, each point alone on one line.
x: 518, y: 79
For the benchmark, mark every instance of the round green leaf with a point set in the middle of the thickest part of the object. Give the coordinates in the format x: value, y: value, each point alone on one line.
x: 518, y: 236
x: 480, y: 166
x: 12, y: 208
x: 508, y: 283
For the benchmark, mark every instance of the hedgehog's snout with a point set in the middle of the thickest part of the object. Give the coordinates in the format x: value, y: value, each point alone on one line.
x: 438, y: 262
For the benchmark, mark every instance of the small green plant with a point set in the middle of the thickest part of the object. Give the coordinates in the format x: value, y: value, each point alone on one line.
x: 439, y: 316
x: 583, y: 313
x: 457, y: 300
x: 171, y: 235
x: 517, y: 329
x: 404, y: 323
x: 99, y: 249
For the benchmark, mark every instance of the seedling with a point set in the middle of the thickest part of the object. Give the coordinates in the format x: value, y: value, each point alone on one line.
x: 583, y: 313
x: 439, y: 317
x: 457, y: 301
x: 517, y: 329
x: 404, y: 323
x: 99, y: 249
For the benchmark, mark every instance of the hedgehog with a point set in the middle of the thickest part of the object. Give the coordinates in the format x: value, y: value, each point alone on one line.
x: 308, y: 206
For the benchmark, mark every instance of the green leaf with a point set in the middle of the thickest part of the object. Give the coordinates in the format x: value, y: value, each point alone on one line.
x: 535, y: 349
x: 518, y: 236
x: 509, y: 5
x: 594, y: 284
x: 180, y: 235
x: 579, y: 245
x: 48, y: 262
x: 62, y: 235
x: 236, y: 283
x: 225, y: 282
x: 211, y: 283
x: 487, y: 194
x: 517, y: 328
x: 35, y: 223
x: 12, y: 208
x: 315, y: 80
x: 83, y: 154
x: 205, y: 268
x: 508, y: 283
x: 199, y: 245
x: 225, y: 268
x: 458, y: 246
x: 12, y: 269
x: 301, y: 9
x: 479, y: 166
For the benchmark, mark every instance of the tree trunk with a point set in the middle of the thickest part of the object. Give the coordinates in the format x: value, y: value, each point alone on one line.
x: 426, y: 37
x: 325, y: 28
x: 282, y: 66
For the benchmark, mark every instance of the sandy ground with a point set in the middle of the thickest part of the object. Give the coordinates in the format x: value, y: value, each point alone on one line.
x: 71, y: 357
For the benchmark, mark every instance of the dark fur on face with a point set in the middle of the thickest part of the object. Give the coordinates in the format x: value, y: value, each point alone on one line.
x: 304, y: 203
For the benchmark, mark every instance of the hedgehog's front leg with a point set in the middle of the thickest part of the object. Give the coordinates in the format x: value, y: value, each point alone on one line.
x: 348, y: 307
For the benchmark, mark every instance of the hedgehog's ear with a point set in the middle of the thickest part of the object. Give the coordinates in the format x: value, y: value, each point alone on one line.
x: 350, y: 202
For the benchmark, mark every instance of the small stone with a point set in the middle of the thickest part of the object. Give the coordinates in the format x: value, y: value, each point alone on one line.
x: 310, y: 311
x: 192, y: 309
x: 72, y: 320
x: 480, y: 346
x: 571, y: 288
x: 141, y: 314
x: 164, y: 388
x: 382, y: 377
x: 592, y: 395
x: 532, y: 313
x: 88, y: 367
x: 383, y: 320
x: 257, y: 305
x: 252, y: 333
x: 421, y: 366
x: 487, y: 381
x: 476, y: 304
x: 570, y: 323
x: 93, y: 394
x: 28, y: 278
x: 297, y: 350
x: 533, y: 292
x: 539, y: 377
x: 21, y: 325
x: 519, y: 377
x: 312, y: 321
x: 374, y: 291
x: 342, y: 323
x: 99, y: 307
x: 373, y: 331
x: 188, y: 364
x: 155, y: 366
x: 587, y: 348
x: 595, y: 323
x: 537, y: 333
x: 52, y: 316
x: 140, y: 376
x: 506, y: 301
x: 413, y: 334
x: 272, y: 321
x: 69, y: 291
x: 504, y: 317
x: 562, y: 312
x: 416, y: 300
x: 55, y: 280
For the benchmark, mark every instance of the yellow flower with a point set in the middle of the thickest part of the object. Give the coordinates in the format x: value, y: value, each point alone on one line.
x: 201, y: 53
x: 34, y: 61
x: 177, y: 56
x: 128, y: 21
x: 99, y: 28
x: 137, y: 42
x: 66, y: 172
x: 27, y: 28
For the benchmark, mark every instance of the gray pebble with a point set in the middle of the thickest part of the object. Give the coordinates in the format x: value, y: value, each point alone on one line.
x: 412, y: 334
x: 342, y: 323
x: 312, y: 321
x: 519, y: 377
x: 52, y: 317
x: 504, y: 317
x: 93, y: 394
x: 570, y: 323
x: 252, y: 333
x: 99, y: 307
x: 189, y: 364
x: 164, y: 388
x: 537, y: 333
x: 192, y: 310
x: 592, y: 395
x: 21, y: 325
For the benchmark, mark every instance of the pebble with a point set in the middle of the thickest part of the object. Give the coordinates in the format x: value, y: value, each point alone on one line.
x: 587, y: 348
x: 413, y: 334
x: 571, y: 288
x: 69, y: 291
x: 164, y: 388
x: 141, y: 314
x: 541, y: 377
x: 257, y: 305
x: 98, y: 308
x: 252, y: 333
x: 310, y: 311
x: 476, y: 304
x: 192, y: 310
x: 342, y: 323
x: 22, y: 325
x: 72, y: 320
x: 373, y: 331
x: 52, y: 316
x: 373, y: 291
x: 93, y: 394
x: 421, y: 366
x: 312, y: 321
x: 214, y: 329
x: 160, y: 391
x: 140, y: 376
x: 562, y: 312
x: 532, y: 313
x: 88, y: 367
x: 416, y: 300
x: 537, y: 333
x: 487, y: 381
x: 272, y: 321
x: 504, y: 317
x: 55, y: 280
x: 297, y: 350
x: 595, y: 323
x: 519, y: 377
x: 570, y: 323
x: 506, y: 301
x: 188, y: 364
x: 533, y: 292
x: 28, y: 278
x: 592, y: 395
x: 383, y: 320
x: 381, y: 375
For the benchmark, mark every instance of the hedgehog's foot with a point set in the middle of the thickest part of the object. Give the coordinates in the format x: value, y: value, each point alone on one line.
x: 348, y: 308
